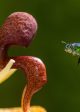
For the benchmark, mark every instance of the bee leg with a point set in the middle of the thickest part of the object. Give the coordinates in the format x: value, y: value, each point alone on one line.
x: 79, y: 61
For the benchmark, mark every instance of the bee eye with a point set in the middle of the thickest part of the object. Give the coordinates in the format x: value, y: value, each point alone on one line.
x: 67, y: 46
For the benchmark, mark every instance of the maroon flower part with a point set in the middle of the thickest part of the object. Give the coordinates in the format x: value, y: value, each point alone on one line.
x: 35, y: 73
x: 19, y: 29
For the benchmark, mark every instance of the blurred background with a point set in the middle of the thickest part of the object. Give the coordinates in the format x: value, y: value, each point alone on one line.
x: 57, y: 20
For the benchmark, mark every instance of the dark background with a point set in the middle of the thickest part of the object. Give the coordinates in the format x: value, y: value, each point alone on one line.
x: 57, y: 20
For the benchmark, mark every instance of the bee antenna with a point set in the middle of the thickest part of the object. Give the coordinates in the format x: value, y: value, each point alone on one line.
x: 63, y: 42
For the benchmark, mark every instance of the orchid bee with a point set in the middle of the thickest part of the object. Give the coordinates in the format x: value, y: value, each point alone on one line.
x: 72, y: 48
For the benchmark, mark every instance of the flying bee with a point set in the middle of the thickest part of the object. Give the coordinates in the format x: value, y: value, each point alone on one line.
x: 72, y: 48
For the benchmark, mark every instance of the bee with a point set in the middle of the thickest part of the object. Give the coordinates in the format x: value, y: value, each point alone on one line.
x: 72, y: 48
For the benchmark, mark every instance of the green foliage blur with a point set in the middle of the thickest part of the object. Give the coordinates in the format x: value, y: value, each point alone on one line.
x: 57, y: 20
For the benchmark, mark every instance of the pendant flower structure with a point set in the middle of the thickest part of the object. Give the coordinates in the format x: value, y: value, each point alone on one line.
x: 20, y: 29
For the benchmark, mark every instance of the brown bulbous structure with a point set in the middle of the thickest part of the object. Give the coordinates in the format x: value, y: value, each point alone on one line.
x: 19, y: 28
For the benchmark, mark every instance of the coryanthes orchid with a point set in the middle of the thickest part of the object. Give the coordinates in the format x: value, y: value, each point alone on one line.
x: 20, y: 29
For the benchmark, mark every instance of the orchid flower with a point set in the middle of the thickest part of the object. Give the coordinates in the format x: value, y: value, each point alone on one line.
x: 20, y: 29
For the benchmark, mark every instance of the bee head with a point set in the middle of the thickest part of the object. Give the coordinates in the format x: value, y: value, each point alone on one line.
x: 69, y: 48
